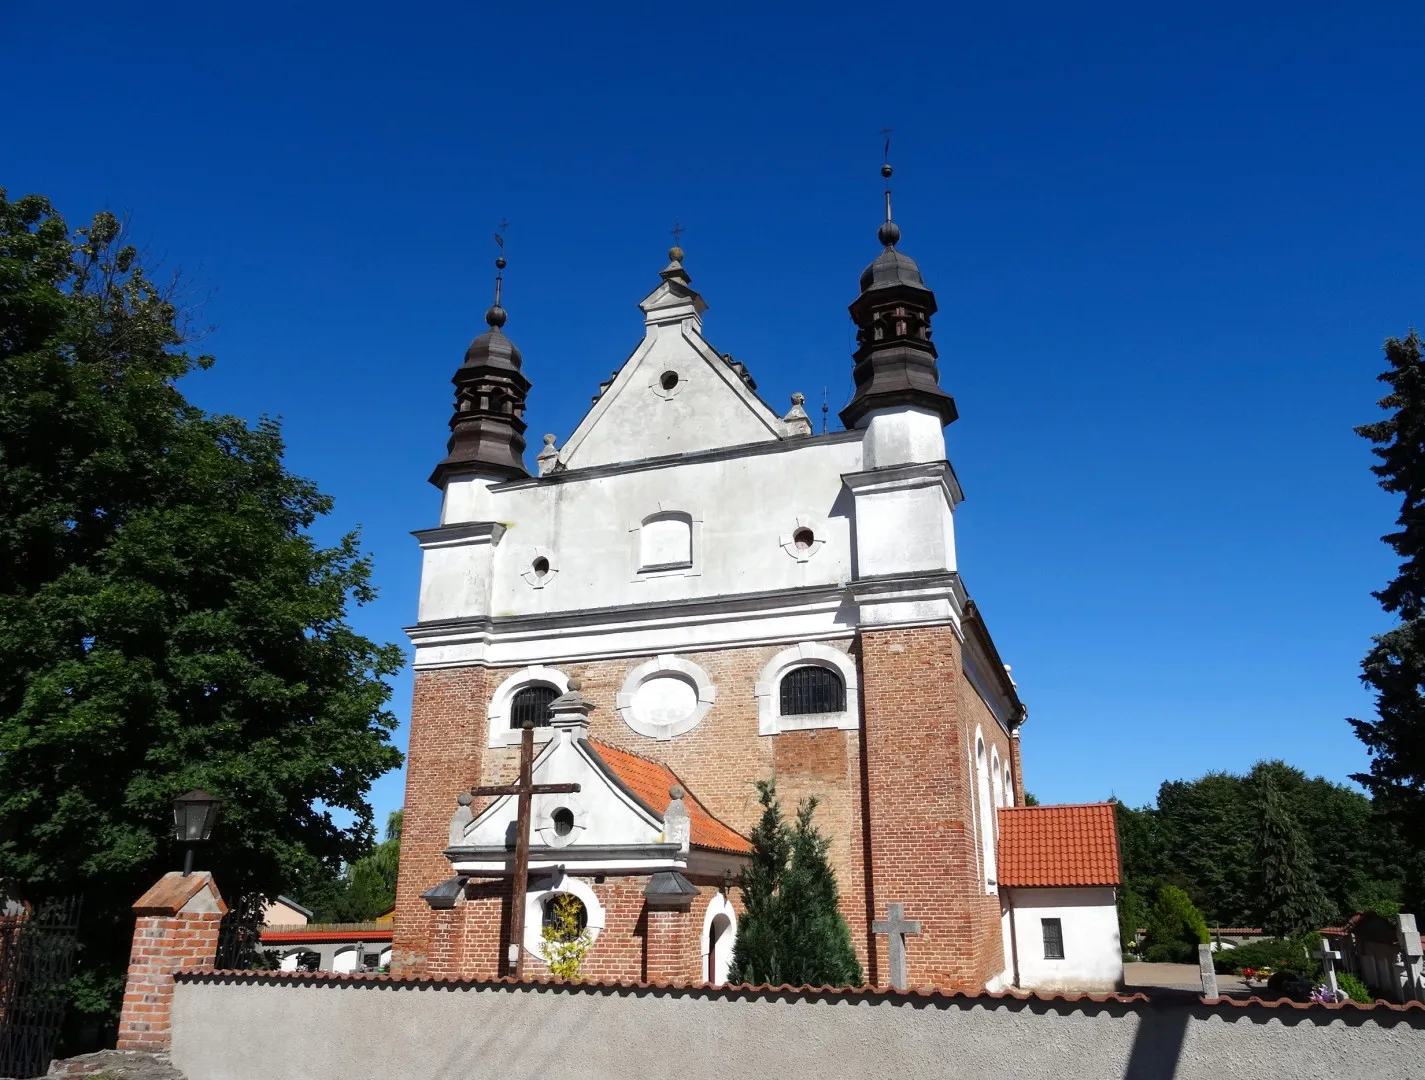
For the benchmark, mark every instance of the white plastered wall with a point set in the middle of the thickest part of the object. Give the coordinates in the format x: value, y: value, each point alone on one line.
x: 1093, y: 958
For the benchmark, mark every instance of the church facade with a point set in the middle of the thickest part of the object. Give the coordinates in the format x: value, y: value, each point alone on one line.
x: 693, y: 593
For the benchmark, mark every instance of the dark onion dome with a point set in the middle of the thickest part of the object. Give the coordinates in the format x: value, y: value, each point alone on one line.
x: 895, y: 358
x: 487, y: 427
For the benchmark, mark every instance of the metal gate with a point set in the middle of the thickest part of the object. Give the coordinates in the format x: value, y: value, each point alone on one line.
x: 37, y: 950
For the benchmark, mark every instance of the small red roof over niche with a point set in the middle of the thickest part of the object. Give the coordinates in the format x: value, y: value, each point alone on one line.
x: 1049, y: 846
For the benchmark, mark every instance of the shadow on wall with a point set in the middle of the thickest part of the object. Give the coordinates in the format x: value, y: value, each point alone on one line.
x: 1158, y: 1044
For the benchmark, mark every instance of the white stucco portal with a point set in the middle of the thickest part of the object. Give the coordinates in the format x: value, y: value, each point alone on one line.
x: 719, y: 910
x: 549, y: 887
x: 1093, y: 956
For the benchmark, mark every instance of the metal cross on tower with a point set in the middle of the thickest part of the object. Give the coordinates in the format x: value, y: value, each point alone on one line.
x: 525, y: 789
x: 896, y: 926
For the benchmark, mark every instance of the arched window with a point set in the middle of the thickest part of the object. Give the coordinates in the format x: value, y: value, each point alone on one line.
x: 666, y: 542
x: 532, y: 703
x: 812, y: 689
x: 987, y: 829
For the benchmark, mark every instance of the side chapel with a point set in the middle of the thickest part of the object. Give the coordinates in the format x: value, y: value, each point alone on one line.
x: 695, y: 592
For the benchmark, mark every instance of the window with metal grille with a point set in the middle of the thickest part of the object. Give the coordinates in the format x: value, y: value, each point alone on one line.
x: 1053, y: 939
x: 532, y: 703
x: 812, y: 690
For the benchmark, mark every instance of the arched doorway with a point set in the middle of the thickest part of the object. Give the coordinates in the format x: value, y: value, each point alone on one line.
x: 719, y: 937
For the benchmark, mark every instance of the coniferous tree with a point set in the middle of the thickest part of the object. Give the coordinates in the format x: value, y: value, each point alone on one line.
x: 1290, y: 899
x: 1395, y: 666
x: 1175, y: 928
x: 792, y: 931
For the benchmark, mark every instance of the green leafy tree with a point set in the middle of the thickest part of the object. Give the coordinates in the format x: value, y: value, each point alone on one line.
x: 1202, y: 837
x: 167, y: 620
x: 367, y: 887
x: 564, y: 943
x: 1175, y: 928
x: 1290, y: 899
x: 792, y: 931
x: 1395, y: 666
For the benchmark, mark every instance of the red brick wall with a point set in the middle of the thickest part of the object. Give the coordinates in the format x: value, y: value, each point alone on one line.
x: 919, y: 716
x: 446, y: 752
x: 1017, y: 764
x: 919, y: 807
x: 162, y: 945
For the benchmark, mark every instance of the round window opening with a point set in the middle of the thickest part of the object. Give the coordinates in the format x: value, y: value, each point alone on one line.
x: 563, y: 821
x: 803, y: 538
x: 668, y: 380
x: 540, y: 566
x: 557, y: 913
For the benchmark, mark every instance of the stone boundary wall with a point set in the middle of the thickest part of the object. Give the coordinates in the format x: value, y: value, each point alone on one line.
x: 248, y: 1026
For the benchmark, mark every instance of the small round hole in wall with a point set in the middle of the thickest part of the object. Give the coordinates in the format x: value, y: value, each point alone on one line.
x: 540, y: 566
x: 563, y: 821
x: 803, y: 538
x: 668, y: 380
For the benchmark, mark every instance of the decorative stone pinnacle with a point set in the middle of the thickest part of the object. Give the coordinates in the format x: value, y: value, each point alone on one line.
x: 676, y: 791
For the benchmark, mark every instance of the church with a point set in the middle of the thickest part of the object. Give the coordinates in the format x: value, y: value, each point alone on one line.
x: 697, y: 591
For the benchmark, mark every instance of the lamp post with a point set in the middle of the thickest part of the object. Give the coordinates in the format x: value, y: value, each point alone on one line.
x: 193, y: 818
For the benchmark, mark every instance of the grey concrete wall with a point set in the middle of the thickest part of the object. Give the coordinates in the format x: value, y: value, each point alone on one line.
x: 252, y: 1029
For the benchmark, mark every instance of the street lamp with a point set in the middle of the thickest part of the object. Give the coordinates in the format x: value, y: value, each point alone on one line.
x: 193, y: 817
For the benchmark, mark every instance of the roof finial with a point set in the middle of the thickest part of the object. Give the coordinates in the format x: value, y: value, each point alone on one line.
x: 675, y: 253
x: 496, y: 316
x: 889, y: 232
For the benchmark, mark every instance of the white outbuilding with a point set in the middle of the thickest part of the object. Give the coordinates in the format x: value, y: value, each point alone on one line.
x: 1059, y: 874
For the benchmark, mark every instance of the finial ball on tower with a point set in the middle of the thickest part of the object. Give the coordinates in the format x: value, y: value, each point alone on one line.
x: 675, y: 254
x: 887, y: 171
x: 500, y: 262
x: 888, y: 233
x: 496, y: 317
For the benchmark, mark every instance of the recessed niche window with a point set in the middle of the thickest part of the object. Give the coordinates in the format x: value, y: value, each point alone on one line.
x: 668, y: 380
x: 665, y: 542
x: 803, y: 538
x: 808, y: 691
x: 540, y: 566
x: 532, y: 703
x: 665, y: 697
x: 541, y: 569
x: 563, y: 821
x: 1053, y: 938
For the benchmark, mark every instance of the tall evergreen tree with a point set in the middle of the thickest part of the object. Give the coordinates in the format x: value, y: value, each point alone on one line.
x: 166, y: 619
x: 1289, y: 898
x: 792, y: 931
x: 1395, y: 667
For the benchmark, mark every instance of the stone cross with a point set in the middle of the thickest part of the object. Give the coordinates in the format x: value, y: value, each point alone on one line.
x: 1328, y: 958
x: 895, y: 927
x: 1411, y: 953
x: 1209, y: 973
x: 524, y: 790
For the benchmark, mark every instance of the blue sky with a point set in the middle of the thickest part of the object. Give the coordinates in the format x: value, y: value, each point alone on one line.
x: 1166, y: 245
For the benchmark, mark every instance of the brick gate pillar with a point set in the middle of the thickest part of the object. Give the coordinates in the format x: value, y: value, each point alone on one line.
x: 176, y: 928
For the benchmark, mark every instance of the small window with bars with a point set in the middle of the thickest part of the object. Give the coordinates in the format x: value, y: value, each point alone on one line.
x: 808, y: 690
x: 1053, y: 939
x: 532, y: 703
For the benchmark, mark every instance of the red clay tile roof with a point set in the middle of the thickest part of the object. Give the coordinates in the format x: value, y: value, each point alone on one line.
x: 1080, y: 999
x: 649, y: 782
x: 1045, y: 846
x: 317, y: 933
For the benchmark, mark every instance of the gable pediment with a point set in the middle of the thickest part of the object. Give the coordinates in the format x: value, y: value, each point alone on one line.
x: 601, y: 815
x: 674, y: 395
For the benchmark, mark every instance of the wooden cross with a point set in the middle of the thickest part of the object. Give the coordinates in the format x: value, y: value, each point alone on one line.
x: 896, y: 926
x: 525, y: 789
